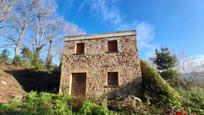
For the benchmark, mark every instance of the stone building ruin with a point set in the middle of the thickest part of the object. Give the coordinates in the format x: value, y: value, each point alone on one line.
x: 100, y: 65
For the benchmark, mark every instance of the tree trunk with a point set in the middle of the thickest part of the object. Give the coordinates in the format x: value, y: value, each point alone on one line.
x: 49, y: 55
x: 20, y: 38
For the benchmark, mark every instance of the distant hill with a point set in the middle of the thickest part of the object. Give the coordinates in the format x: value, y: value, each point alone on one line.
x: 196, y: 77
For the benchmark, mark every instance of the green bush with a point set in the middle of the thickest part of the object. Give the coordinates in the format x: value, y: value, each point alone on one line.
x: 17, y: 60
x: 32, y: 59
x: 156, y: 89
x: 90, y: 108
x: 4, y: 56
x: 173, y: 78
x: 193, y: 100
x: 50, y: 104
x: 38, y: 104
x: 34, y: 103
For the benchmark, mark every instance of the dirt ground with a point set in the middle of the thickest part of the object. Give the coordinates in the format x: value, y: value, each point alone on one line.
x: 17, y: 81
x: 9, y: 86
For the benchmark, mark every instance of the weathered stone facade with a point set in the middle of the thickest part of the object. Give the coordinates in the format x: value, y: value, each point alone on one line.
x: 97, y: 61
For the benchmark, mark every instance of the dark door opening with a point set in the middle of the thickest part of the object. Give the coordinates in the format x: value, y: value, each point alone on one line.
x: 78, y: 84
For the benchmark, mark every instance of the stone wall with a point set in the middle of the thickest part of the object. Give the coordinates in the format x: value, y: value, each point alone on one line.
x: 97, y: 61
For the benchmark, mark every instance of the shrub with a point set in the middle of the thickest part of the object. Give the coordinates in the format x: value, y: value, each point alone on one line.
x: 90, y: 108
x: 37, y: 64
x: 4, y: 56
x: 17, y: 60
x: 173, y: 78
x: 50, y: 104
x: 193, y: 100
x: 32, y: 59
x: 156, y: 89
x: 38, y: 104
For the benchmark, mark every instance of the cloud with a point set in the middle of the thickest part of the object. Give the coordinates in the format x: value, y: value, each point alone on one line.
x: 73, y: 29
x: 70, y: 28
x: 109, y: 11
x: 145, y: 34
x: 105, y: 10
x: 191, y: 64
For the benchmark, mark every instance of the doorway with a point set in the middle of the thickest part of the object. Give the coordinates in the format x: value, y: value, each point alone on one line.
x: 78, y: 84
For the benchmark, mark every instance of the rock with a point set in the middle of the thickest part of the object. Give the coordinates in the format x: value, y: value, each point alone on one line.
x: 3, y: 82
x: 134, y: 98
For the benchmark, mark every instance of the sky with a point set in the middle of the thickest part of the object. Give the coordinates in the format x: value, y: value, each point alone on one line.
x: 177, y: 24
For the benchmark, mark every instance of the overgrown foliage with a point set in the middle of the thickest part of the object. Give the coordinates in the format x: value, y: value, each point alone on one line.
x: 192, y: 100
x: 17, y: 60
x: 50, y: 104
x: 174, y: 79
x: 54, y: 104
x: 160, y: 95
x: 157, y: 90
x: 4, y: 56
x: 166, y: 63
x: 163, y: 59
x: 29, y: 59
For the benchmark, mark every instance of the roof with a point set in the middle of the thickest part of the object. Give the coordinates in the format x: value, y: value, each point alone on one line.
x: 103, y: 35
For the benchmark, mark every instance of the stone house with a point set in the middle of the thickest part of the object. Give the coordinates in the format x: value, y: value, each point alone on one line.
x: 100, y: 65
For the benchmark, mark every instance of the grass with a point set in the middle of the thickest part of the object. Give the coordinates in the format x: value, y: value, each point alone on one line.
x: 50, y: 104
x: 193, y: 100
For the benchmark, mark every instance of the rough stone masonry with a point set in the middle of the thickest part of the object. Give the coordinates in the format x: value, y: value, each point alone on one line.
x: 101, y: 65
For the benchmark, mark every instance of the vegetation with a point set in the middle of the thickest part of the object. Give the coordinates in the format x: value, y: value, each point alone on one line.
x: 34, y: 28
x: 51, y: 104
x: 159, y: 94
x: 4, y: 57
x: 157, y: 90
x: 32, y: 59
x: 192, y: 100
x: 28, y: 59
x: 164, y: 60
x: 166, y: 63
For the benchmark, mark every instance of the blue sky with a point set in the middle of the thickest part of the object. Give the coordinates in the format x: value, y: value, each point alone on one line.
x: 177, y: 24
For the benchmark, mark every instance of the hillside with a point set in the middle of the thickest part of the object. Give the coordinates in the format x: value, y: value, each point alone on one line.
x: 17, y: 81
x: 196, y: 78
x: 9, y: 87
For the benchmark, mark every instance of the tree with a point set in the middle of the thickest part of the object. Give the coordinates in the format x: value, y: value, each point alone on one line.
x: 164, y: 60
x: 54, y: 30
x: 5, y: 8
x: 166, y: 63
x: 19, y: 22
x: 43, y: 12
x: 36, y: 26
x: 4, y: 56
